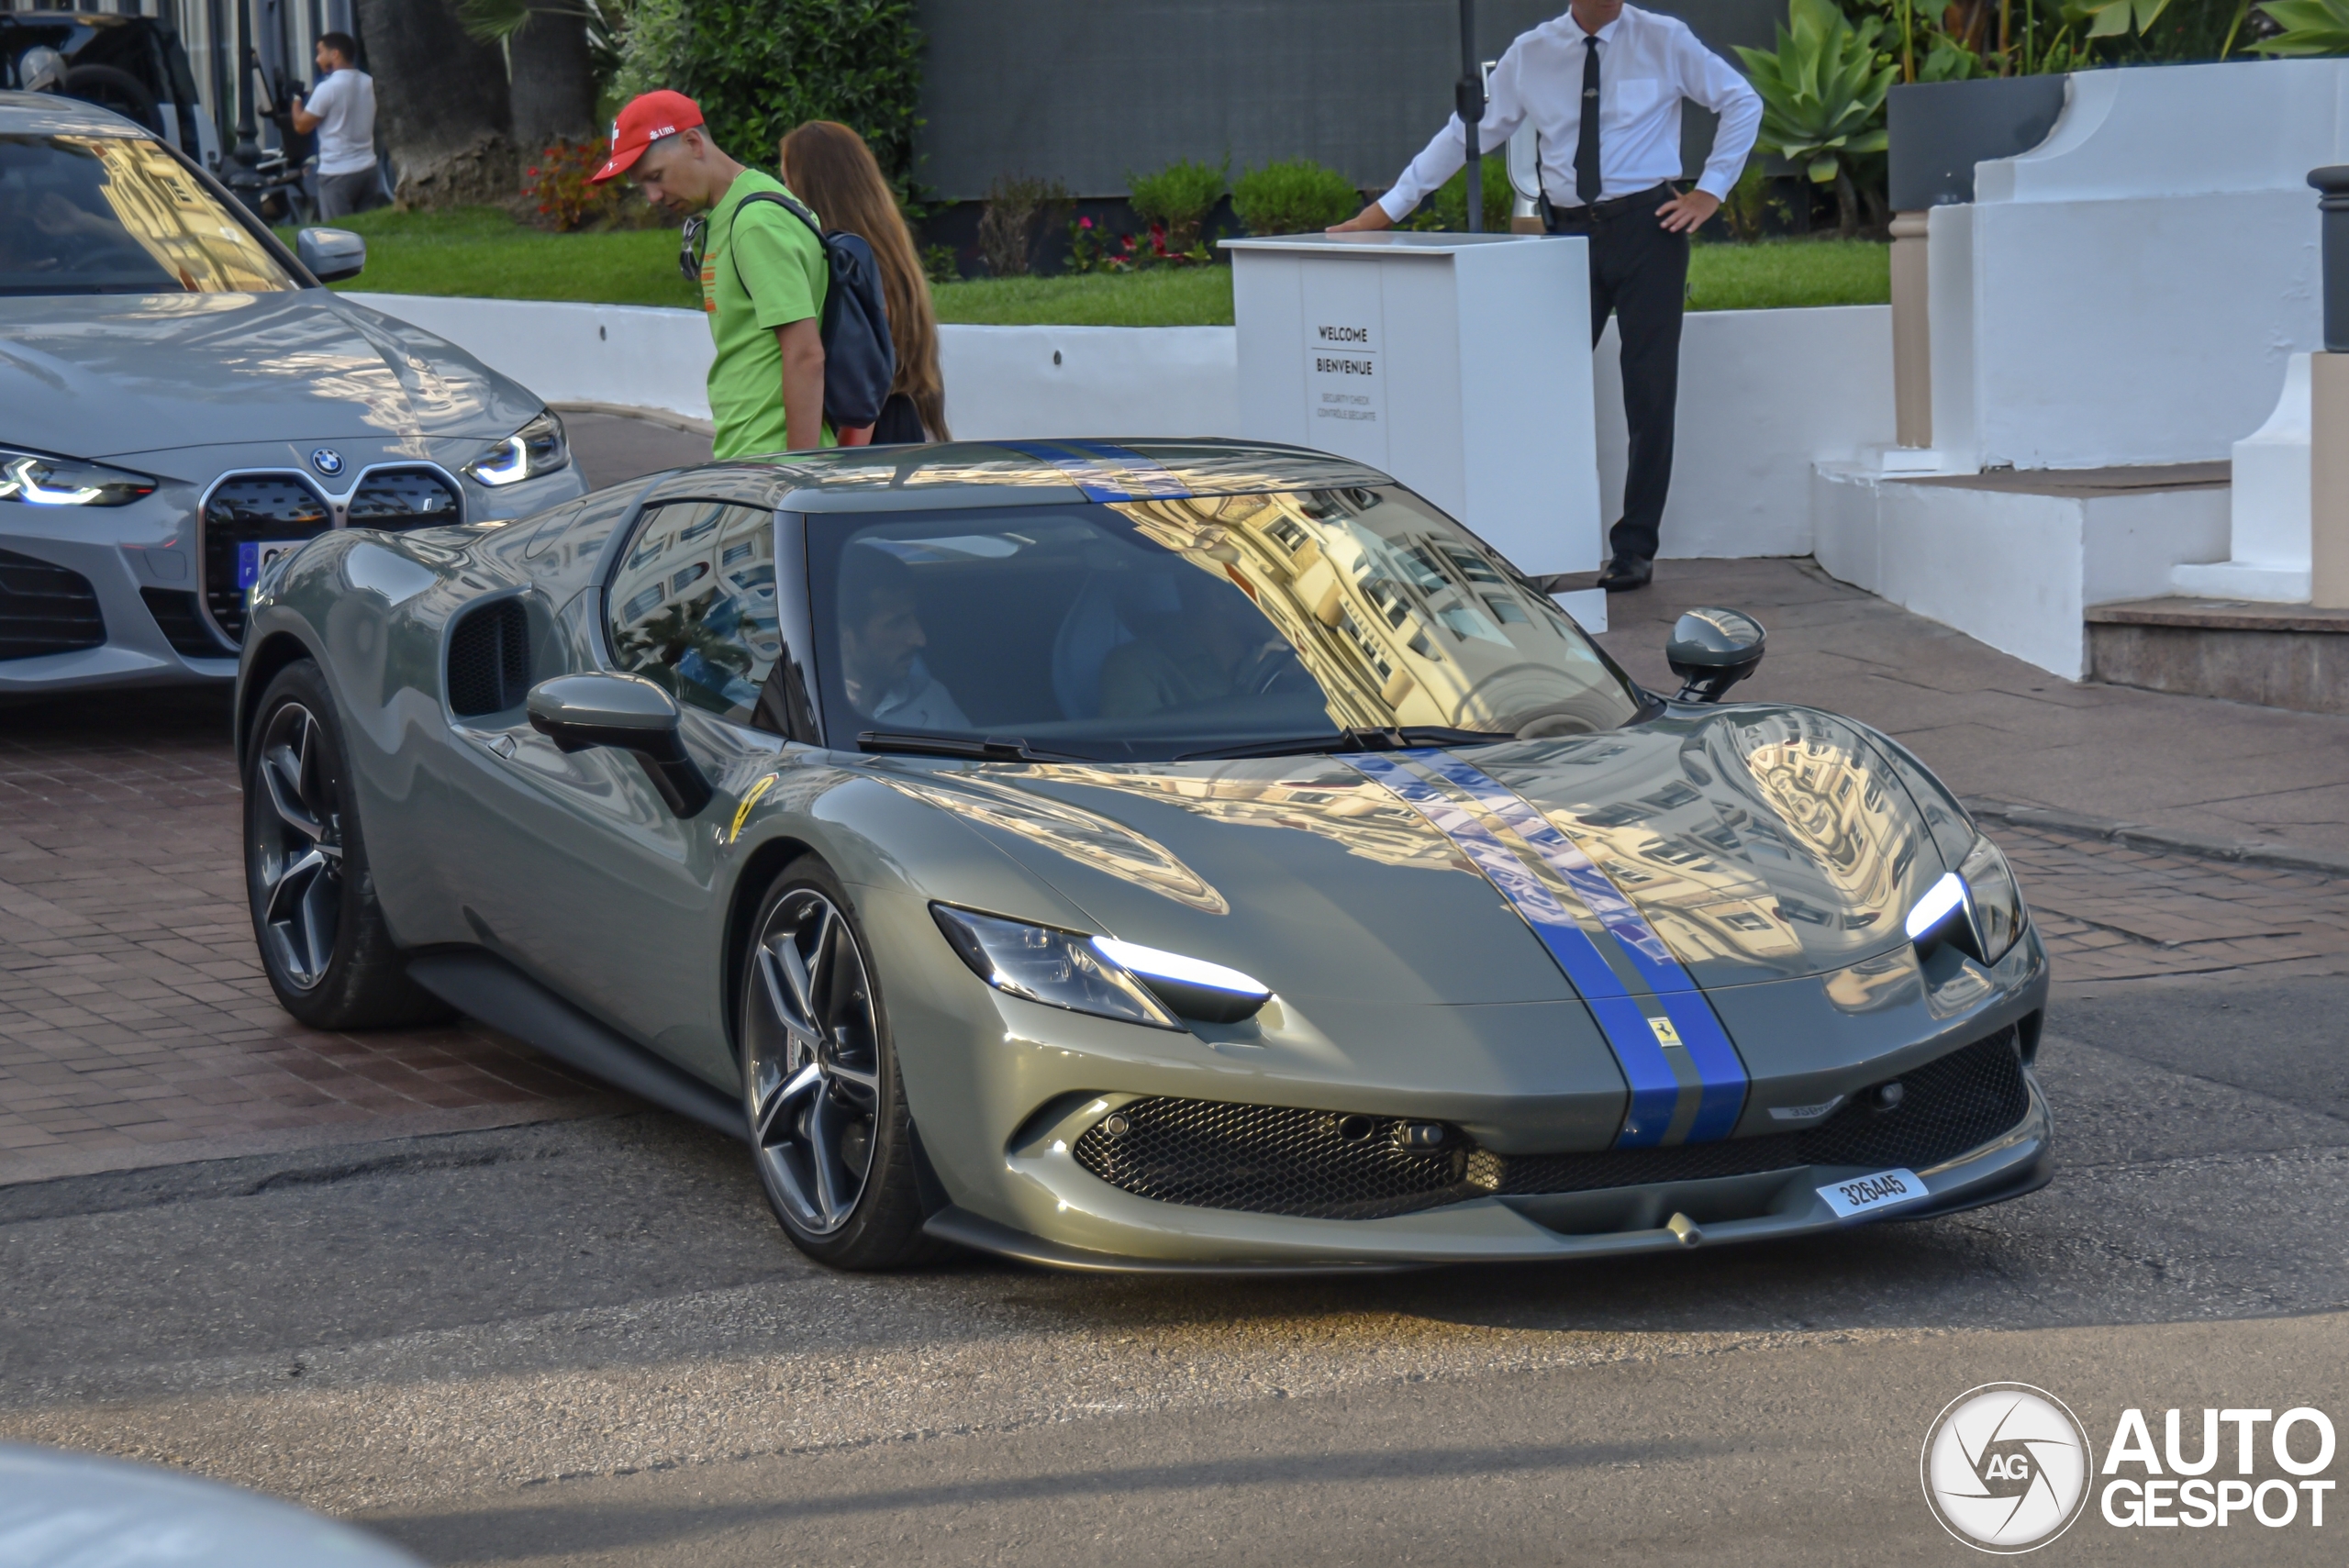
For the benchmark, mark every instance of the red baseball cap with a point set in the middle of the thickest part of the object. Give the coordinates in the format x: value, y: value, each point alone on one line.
x: 648, y: 117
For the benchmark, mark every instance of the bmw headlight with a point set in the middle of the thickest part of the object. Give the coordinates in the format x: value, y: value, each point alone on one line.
x: 1978, y: 906
x: 538, y: 448
x: 39, y: 481
x: 1097, y: 974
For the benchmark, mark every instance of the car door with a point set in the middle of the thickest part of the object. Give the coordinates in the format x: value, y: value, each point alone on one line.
x: 584, y: 876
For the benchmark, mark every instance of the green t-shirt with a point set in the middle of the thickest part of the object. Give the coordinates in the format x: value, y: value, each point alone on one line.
x: 760, y: 270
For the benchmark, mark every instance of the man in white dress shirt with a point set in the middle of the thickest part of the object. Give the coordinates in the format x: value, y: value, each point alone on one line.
x: 1608, y: 178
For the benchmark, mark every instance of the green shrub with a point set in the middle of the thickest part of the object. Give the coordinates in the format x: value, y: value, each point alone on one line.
x: 2308, y: 26
x: 1017, y: 207
x: 1448, y: 208
x: 1822, y: 95
x: 1300, y: 196
x: 760, y: 67
x: 1178, y: 199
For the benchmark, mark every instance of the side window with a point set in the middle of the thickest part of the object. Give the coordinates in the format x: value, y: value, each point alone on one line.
x: 692, y: 605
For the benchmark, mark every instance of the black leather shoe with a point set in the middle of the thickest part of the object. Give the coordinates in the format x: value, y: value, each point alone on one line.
x: 1626, y: 573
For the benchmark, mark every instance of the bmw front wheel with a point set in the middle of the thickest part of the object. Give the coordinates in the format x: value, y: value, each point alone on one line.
x: 819, y: 1081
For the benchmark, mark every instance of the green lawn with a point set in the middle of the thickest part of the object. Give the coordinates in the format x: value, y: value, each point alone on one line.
x: 482, y: 252
x: 1776, y: 274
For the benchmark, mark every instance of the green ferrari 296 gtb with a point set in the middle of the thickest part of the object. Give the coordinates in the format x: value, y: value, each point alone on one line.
x: 1154, y: 855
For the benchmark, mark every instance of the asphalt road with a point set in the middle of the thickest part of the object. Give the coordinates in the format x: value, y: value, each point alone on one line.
x: 587, y: 1341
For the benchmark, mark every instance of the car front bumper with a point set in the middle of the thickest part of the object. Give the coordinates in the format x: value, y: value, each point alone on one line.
x: 1002, y: 1100
x: 139, y: 568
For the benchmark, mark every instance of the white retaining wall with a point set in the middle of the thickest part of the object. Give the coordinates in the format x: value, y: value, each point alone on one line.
x: 2130, y: 290
x: 1763, y: 393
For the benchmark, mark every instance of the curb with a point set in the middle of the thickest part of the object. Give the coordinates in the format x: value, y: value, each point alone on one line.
x: 2049, y: 820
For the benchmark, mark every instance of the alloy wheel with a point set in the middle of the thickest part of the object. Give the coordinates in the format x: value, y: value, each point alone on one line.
x: 812, y: 1067
x: 298, y: 847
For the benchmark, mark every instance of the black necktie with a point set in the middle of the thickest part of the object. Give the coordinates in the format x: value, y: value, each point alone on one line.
x: 1586, y: 183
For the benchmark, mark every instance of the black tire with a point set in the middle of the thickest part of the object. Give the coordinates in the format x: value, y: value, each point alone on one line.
x: 110, y: 88
x: 820, y: 1086
x: 323, y: 941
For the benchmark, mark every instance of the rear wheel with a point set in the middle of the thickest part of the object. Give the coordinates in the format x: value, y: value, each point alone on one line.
x: 323, y: 941
x: 820, y: 1087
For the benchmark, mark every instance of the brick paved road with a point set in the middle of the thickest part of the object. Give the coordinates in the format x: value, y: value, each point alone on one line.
x: 135, y: 1024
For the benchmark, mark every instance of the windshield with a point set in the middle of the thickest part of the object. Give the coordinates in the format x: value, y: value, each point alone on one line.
x: 118, y: 214
x: 1150, y: 629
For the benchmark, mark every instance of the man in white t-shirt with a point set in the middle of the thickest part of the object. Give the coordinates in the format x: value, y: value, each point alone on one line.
x: 341, y: 109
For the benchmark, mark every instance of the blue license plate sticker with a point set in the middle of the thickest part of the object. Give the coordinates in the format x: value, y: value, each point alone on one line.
x: 255, y: 553
x: 1873, y: 1194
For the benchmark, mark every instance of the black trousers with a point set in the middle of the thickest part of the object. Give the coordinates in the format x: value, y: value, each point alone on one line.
x: 1638, y: 272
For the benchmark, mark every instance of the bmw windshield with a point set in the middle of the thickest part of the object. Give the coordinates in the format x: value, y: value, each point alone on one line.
x: 1145, y: 630
x: 118, y: 214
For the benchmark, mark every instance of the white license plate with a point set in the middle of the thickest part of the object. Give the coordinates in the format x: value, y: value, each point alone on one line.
x: 254, y: 554
x: 1870, y: 1195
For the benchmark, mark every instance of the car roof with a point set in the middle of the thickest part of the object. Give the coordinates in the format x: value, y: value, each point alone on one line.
x: 1001, y: 474
x: 46, y: 114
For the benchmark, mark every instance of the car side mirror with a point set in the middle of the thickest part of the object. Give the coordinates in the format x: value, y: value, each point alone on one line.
x: 331, y: 255
x: 627, y: 713
x: 1711, y: 651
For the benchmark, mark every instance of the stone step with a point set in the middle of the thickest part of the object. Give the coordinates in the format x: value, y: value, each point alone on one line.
x: 2292, y: 656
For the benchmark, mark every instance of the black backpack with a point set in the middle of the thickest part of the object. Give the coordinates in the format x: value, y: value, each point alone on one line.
x: 860, y: 357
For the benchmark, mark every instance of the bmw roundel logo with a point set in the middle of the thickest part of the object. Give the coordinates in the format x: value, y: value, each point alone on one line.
x: 327, y: 461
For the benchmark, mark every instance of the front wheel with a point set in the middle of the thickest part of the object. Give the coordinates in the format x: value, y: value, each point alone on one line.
x: 323, y: 941
x: 827, y: 1109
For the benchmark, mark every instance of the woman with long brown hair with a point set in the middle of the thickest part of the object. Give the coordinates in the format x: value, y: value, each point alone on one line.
x: 828, y: 166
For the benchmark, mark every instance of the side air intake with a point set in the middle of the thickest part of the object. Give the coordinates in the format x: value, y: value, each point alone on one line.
x: 489, y: 659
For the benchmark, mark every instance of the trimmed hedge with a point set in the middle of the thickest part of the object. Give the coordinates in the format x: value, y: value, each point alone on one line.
x: 1298, y: 196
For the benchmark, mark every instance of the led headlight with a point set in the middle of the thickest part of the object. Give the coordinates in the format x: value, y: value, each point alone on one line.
x: 1978, y: 906
x: 1060, y: 969
x: 1191, y: 986
x: 1099, y: 975
x: 538, y: 448
x: 39, y: 480
x: 1997, y: 901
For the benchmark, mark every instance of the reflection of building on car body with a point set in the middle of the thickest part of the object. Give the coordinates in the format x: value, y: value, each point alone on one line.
x: 1193, y: 855
x: 186, y: 400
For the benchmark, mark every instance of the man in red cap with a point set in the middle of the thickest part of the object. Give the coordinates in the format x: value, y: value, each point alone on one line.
x: 762, y: 277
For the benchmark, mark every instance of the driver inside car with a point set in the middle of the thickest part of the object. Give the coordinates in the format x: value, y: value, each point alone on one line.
x: 1218, y: 646
x: 881, y: 644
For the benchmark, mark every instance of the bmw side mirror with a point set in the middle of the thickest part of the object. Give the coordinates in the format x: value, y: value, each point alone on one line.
x: 331, y: 255
x: 630, y: 714
x: 1711, y: 651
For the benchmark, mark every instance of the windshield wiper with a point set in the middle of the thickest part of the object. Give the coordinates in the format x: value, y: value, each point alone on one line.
x: 1350, y: 740
x: 993, y: 748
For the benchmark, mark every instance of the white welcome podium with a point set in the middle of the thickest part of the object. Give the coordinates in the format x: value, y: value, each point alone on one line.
x: 1460, y: 364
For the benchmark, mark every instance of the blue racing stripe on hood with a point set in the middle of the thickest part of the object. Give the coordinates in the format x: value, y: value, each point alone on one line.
x: 1656, y: 1089
x: 1710, y: 1051
x: 1105, y: 473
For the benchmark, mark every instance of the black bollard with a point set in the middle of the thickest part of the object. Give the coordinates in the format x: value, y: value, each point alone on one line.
x: 2333, y: 181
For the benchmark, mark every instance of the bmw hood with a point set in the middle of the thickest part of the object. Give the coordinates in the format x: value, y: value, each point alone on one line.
x: 1743, y: 844
x: 98, y: 376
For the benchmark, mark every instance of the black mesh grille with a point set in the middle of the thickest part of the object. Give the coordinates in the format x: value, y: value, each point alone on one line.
x: 176, y: 613
x: 250, y: 509
x: 489, y: 659
x: 1270, y: 1159
x: 45, y: 609
x: 404, y: 499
